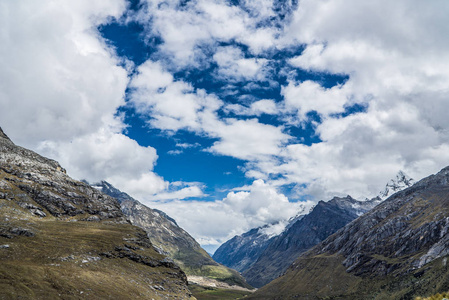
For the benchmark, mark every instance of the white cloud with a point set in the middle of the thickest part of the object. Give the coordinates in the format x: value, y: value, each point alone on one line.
x: 395, y: 55
x: 257, y: 205
x: 248, y: 139
x: 203, y: 23
x: 174, y: 105
x: 274, y: 229
x: 60, y: 87
x: 233, y: 66
x: 256, y: 108
x: 311, y: 96
x: 57, y: 78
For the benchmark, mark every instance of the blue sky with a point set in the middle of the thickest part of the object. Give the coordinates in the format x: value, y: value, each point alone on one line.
x: 135, y: 42
x: 229, y: 114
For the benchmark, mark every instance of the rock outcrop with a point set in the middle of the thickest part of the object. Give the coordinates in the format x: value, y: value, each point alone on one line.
x: 39, y: 183
x: 398, y: 250
x: 242, y: 251
x: 62, y: 239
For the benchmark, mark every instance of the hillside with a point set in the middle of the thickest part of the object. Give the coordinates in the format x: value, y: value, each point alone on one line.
x: 325, y: 219
x: 242, y: 251
x: 172, y: 240
x: 61, y: 238
x: 398, y: 250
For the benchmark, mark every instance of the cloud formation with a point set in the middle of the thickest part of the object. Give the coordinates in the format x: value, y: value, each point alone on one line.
x: 239, y: 211
x: 61, y: 86
x: 60, y: 89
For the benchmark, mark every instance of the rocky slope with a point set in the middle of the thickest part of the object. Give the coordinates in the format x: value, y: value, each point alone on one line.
x: 323, y: 220
x: 242, y: 251
x: 172, y: 240
x: 61, y: 238
x: 398, y: 250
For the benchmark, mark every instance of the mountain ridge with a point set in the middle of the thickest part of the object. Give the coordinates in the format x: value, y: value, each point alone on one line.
x: 172, y: 240
x: 60, y: 238
x: 397, y: 250
x: 323, y: 220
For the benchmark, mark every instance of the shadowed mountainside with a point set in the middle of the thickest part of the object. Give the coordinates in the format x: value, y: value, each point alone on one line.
x: 398, y: 250
x: 323, y: 220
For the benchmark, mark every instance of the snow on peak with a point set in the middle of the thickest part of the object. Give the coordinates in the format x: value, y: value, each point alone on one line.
x: 401, y: 182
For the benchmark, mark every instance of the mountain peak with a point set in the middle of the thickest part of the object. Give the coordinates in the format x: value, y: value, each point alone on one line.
x: 397, y: 184
x: 3, y: 135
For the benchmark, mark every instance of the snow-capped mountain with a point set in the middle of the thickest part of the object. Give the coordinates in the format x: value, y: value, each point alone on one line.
x: 397, y: 184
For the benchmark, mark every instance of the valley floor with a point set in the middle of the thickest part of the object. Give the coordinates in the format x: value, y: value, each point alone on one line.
x: 211, y: 293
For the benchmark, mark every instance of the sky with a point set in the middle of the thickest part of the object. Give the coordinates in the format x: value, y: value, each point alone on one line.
x: 229, y: 115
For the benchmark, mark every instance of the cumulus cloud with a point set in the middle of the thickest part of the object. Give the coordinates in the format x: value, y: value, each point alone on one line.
x: 393, y: 70
x: 57, y: 78
x: 60, y: 88
x: 234, y: 66
x: 205, y: 23
x: 256, y: 205
x: 257, y: 108
x: 173, y: 105
x: 310, y: 96
x: 248, y: 139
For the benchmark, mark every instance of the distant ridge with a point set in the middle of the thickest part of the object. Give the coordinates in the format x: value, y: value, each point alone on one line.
x: 323, y: 220
x: 398, y: 250
x: 172, y: 240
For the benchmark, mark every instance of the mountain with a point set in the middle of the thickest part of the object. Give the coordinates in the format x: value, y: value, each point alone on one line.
x: 61, y: 238
x: 398, y: 250
x: 242, y: 251
x: 397, y: 184
x: 323, y: 220
x: 172, y: 240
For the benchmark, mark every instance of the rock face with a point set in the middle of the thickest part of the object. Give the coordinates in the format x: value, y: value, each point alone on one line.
x: 242, y: 251
x: 398, y: 250
x: 170, y: 239
x: 325, y: 219
x: 43, y: 185
x: 63, y: 239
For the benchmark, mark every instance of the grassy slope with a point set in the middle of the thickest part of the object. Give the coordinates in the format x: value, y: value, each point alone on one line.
x: 64, y: 260
x: 324, y: 277
x: 194, y: 263
x: 207, y: 293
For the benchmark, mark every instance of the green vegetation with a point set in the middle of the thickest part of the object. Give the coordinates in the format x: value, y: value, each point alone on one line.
x: 201, y: 264
x: 208, y: 293
x: 324, y: 277
x: 80, y: 260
